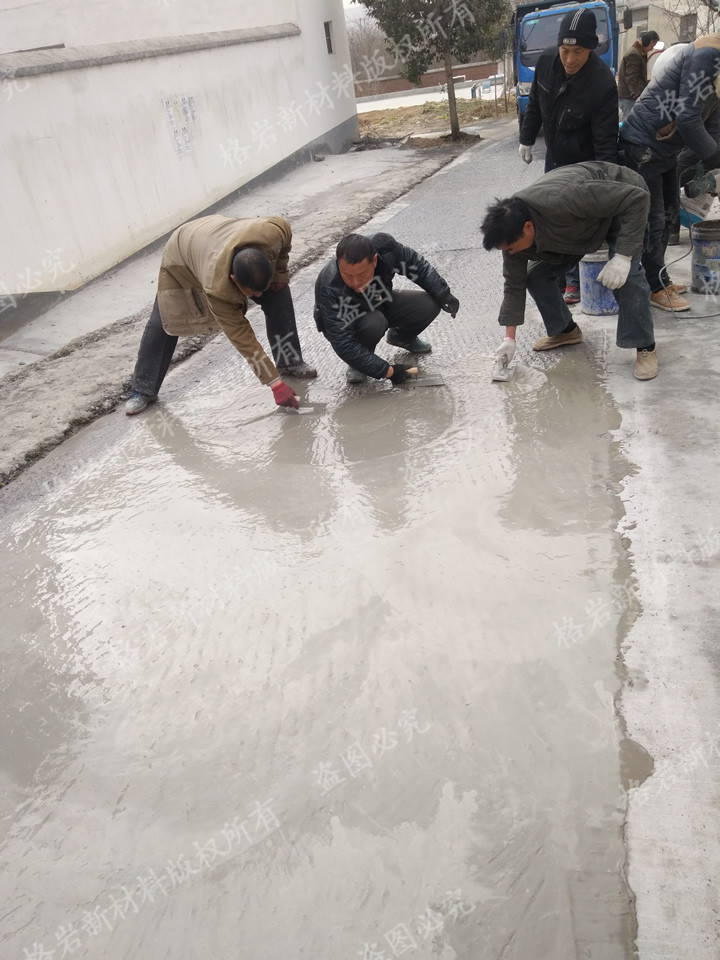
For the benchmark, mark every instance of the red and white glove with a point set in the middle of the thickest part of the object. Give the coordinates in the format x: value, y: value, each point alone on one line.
x: 284, y: 396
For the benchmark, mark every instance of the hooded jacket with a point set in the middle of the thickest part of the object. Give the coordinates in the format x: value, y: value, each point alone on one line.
x: 338, y: 308
x: 579, y: 113
x: 573, y: 209
x: 195, y: 292
x: 680, y: 108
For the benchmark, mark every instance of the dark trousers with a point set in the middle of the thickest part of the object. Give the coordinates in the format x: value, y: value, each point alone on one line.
x: 659, y: 174
x: 157, y: 346
x: 634, y: 325
x: 404, y: 317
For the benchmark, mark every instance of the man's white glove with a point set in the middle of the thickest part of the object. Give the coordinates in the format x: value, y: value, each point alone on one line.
x: 615, y: 272
x: 505, y: 352
x: 526, y: 153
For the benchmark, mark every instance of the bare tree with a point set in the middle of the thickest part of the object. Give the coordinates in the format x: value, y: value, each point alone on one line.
x: 422, y: 31
x: 367, y: 45
x: 688, y: 19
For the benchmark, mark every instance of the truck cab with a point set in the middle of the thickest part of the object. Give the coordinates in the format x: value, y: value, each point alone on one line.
x: 536, y: 27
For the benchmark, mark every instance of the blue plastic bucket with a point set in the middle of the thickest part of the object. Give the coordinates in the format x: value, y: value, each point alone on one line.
x: 705, y: 237
x: 595, y: 299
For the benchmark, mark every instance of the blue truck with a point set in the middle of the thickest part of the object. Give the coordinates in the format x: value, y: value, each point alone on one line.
x: 536, y: 27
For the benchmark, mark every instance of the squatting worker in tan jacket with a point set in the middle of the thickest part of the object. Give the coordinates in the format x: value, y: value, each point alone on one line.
x: 210, y: 268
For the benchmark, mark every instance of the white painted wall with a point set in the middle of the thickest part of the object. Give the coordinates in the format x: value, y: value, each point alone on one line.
x: 98, y: 162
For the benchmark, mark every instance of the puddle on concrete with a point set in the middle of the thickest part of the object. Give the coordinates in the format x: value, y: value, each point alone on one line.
x: 324, y: 682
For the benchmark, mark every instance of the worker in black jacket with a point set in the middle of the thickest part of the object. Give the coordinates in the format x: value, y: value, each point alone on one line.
x: 355, y: 304
x: 574, y: 97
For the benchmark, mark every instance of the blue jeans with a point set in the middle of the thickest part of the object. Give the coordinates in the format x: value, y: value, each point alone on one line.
x: 634, y: 324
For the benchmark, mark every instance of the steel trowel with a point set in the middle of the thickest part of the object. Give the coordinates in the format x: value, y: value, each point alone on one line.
x: 431, y: 380
x: 501, y: 371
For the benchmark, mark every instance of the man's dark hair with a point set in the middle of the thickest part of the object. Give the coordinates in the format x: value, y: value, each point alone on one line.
x: 647, y: 38
x: 252, y: 269
x: 354, y: 248
x: 504, y: 222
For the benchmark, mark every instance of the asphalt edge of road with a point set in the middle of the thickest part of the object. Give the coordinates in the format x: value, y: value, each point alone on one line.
x: 30, y: 378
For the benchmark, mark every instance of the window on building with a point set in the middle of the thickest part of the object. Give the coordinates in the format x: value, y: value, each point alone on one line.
x: 328, y: 35
x: 640, y: 16
x: 688, y: 27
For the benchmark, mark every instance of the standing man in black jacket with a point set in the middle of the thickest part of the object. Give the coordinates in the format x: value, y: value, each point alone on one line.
x: 355, y: 303
x: 574, y: 97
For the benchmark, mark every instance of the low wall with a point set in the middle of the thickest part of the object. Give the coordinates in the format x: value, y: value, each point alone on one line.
x: 433, y: 78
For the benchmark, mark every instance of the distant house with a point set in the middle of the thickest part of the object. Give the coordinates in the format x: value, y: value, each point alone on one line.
x: 122, y: 120
x: 676, y: 21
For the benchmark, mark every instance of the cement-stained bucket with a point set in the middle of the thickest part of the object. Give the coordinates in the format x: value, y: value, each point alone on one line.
x: 595, y: 299
x: 705, y: 237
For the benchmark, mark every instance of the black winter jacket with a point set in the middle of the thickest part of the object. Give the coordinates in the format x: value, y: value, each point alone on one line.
x: 579, y: 113
x: 337, y: 307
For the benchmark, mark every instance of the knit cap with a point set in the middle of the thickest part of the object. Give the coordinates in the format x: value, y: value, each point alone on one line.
x: 578, y: 29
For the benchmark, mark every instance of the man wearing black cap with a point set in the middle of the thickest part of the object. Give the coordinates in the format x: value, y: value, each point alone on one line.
x: 574, y: 97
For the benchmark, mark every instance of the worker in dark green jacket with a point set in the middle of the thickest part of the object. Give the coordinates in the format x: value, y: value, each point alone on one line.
x: 549, y: 226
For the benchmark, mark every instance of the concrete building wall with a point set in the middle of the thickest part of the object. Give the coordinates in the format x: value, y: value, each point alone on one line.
x: 106, y: 147
x: 669, y: 21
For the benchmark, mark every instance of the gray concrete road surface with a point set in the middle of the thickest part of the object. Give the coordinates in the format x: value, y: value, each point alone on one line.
x: 426, y: 672
x: 68, y: 360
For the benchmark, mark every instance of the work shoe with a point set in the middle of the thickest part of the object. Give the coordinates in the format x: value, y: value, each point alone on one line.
x: 354, y: 376
x: 571, y: 295
x: 669, y: 299
x: 137, y: 402
x: 559, y: 340
x: 646, y: 365
x: 302, y: 370
x: 679, y: 287
x: 416, y: 345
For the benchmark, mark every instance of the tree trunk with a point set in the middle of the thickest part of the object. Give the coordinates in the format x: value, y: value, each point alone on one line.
x: 452, y: 105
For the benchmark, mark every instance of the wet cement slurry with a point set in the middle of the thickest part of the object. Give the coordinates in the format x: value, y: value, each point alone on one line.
x: 331, y: 685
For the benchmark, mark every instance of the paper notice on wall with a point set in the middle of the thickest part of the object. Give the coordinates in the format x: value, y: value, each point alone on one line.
x: 182, y: 118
